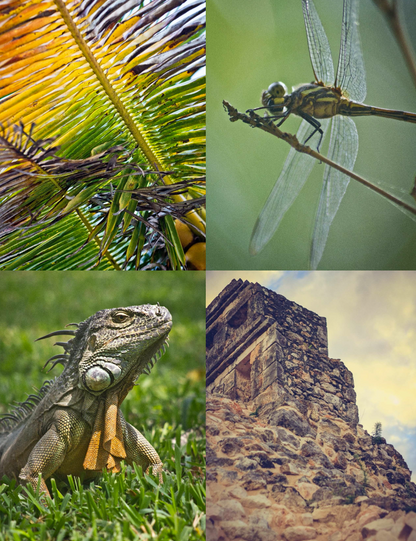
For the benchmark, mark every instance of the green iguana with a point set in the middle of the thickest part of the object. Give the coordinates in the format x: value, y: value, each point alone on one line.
x: 74, y: 424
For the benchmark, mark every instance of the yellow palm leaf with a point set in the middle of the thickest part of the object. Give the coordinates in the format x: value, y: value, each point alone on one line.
x: 101, y: 74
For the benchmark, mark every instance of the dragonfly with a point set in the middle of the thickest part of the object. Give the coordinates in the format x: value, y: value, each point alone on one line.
x: 328, y: 100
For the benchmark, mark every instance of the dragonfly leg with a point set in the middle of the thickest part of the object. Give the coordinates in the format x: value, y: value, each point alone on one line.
x: 315, y: 124
x: 283, y: 116
x: 255, y: 109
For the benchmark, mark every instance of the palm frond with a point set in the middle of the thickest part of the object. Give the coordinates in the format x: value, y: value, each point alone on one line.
x: 99, y: 100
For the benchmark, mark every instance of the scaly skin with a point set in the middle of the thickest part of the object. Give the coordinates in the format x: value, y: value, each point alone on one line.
x: 75, y: 426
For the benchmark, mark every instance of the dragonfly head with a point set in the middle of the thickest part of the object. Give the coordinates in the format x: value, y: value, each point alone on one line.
x: 273, y: 98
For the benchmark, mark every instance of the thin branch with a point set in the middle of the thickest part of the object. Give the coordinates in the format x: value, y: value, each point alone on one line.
x: 391, y: 13
x: 267, y: 125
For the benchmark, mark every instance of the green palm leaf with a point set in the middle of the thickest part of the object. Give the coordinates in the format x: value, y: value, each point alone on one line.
x: 101, y: 104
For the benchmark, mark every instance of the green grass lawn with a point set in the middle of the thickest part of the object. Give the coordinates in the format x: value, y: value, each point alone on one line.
x: 168, y: 407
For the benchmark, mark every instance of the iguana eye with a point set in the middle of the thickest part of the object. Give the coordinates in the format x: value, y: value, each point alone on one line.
x: 120, y: 317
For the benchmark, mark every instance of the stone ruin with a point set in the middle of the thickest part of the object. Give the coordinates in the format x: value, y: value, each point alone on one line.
x: 286, y: 456
x: 261, y: 346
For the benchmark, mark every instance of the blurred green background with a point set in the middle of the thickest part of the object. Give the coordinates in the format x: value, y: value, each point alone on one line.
x: 250, y: 45
x: 33, y: 304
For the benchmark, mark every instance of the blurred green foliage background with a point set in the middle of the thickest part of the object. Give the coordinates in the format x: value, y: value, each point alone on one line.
x: 33, y: 304
x: 250, y: 45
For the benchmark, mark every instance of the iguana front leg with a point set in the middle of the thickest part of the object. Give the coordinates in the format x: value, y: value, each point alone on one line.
x: 50, y: 451
x: 140, y: 451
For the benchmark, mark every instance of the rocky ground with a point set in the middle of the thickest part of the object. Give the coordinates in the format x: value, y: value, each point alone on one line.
x: 290, y: 472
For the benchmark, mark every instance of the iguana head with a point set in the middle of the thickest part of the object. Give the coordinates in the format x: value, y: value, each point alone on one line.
x: 115, y: 346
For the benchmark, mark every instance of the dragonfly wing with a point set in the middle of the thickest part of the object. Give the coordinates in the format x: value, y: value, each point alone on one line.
x: 318, y: 44
x: 343, y: 148
x: 350, y: 72
x: 295, y: 173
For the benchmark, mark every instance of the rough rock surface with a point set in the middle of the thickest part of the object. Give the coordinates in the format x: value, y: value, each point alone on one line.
x: 286, y: 456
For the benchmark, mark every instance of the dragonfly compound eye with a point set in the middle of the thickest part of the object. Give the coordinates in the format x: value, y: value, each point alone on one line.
x: 277, y: 90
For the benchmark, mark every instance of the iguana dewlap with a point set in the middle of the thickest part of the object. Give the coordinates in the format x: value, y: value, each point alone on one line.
x: 106, y: 448
x: 75, y: 425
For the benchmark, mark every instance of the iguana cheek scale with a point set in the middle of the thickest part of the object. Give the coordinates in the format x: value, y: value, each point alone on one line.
x: 74, y: 425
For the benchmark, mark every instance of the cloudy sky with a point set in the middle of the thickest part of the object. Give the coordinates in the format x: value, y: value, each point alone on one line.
x: 371, y: 318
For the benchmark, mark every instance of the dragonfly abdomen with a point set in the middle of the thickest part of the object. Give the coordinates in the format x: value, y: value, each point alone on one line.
x: 352, y: 108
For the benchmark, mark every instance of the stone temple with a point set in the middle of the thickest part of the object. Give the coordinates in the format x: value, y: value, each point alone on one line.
x: 286, y: 457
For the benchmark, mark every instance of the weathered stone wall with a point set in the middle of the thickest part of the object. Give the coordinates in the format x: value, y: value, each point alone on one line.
x: 286, y: 457
x: 263, y: 347
x: 278, y: 476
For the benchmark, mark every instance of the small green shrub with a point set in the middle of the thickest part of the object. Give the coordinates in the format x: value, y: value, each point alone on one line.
x: 377, y: 438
